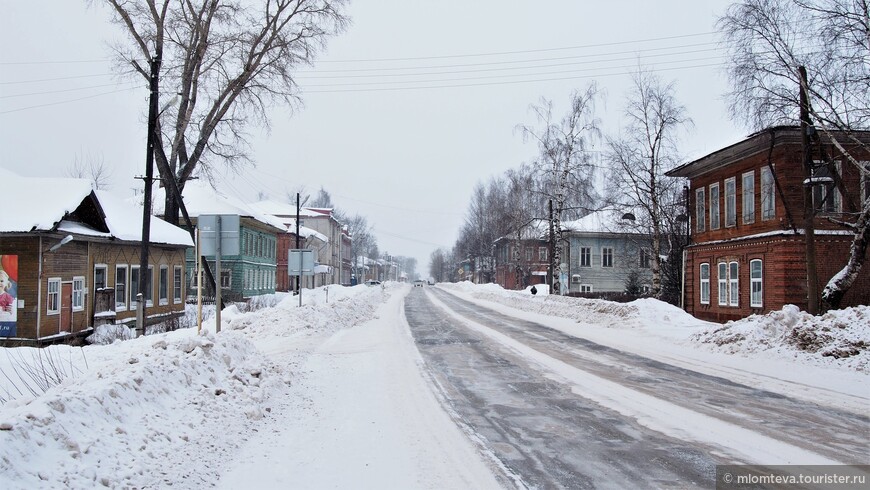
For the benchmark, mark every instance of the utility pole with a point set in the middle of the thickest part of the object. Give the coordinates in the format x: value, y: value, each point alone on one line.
x: 299, y: 277
x: 809, y: 210
x: 551, y: 270
x: 144, y: 283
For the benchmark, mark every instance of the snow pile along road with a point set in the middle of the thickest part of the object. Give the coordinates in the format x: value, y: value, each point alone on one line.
x: 156, y: 410
x: 839, y: 339
x: 840, y: 335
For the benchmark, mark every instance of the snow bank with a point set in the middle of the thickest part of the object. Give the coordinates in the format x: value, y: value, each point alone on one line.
x: 841, y: 337
x: 154, y: 411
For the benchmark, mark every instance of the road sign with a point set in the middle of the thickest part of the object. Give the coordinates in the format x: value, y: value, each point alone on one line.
x: 210, y: 225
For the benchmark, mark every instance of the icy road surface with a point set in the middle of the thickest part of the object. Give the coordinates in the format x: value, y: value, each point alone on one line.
x: 560, y: 411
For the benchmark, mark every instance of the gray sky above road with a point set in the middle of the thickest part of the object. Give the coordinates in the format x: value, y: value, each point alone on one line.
x: 406, y: 111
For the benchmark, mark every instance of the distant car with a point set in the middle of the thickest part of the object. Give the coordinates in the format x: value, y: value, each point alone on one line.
x: 372, y: 282
x: 418, y: 282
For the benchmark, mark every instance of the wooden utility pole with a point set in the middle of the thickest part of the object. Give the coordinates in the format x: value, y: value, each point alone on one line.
x: 551, y: 270
x: 144, y: 282
x: 809, y: 209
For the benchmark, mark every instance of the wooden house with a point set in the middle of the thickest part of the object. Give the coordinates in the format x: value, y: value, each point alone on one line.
x: 748, y: 250
x: 72, y: 259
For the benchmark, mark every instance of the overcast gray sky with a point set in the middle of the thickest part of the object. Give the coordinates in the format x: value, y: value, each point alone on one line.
x: 404, y: 151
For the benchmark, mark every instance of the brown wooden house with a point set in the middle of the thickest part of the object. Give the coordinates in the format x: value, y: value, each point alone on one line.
x: 522, y: 259
x: 748, y: 250
x: 76, y: 255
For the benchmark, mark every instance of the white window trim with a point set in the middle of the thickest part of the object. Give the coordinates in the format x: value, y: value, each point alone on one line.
x: 612, y: 259
x: 756, y: 280
x: 149, y: 299
x: 864, y: 167
x: 586, y: 288
x: 134, y: 303
x: 733, y: 285
x: 57, y: 282
x: 748, y: 192
x: 588, y: 255
x: 78, y: 294
x: 722, y: 281
x: 178, y: 271
x: 703, y: 282
x: 731, y: 202
x: 718, y: 220
x: 123, y: 302
x: 105, y: 268
x: 766, y: 170
x: 700, y: 209
x: 163, y: 301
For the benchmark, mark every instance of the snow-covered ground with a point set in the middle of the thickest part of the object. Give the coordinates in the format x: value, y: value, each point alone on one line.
x: 332, y: 394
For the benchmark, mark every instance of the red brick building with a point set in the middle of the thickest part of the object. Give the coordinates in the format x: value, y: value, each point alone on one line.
x: 748, y: 248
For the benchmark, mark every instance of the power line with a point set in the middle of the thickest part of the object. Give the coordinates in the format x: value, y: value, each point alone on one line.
x: 48, y: 92
x: 66, y: 101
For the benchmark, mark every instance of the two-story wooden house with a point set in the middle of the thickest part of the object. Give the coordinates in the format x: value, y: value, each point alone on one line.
x: 70, y: 260
x: 748, y: 251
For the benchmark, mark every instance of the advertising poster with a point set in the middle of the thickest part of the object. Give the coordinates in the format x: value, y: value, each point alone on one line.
x: 8, y: 295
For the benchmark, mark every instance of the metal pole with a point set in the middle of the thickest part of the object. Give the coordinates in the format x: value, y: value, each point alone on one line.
x: 218, y: 285
x: 299, y: 277
x: 198, y: 285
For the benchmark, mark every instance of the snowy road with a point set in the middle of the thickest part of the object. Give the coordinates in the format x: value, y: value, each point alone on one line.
x: 560, y: 411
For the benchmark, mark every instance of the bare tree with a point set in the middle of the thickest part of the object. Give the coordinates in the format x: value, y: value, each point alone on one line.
x: 564, y: 161
x: 323, y: 199
x: 92, y: 167
x: 228, y: 61
x: 639, y: 157
x: 769, y: 40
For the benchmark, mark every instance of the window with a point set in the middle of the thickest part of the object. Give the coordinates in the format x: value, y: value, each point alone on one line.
x: 714, y: 206
x: 163, y: 286
x: 120, y: 287
x: 722, y: 278
x: 149, y: 286
x: 705, y: 284
x: 54, y: 296
x: 134, y: 287
x: 542, y: 254
x: 755, y: 284
x: 645, y: 257
x: 733, y: 289
x: 176, y: 284
x: 529, y: 254
x: 826, y: 197
x: 607, y: 257
x: 226, y: 279
x: 700, y: 210
x: 99, y: 277
x: 585, y: 256
x: 730, y: 202
x: 585, y: 288
x: 768, y: 210
x: 78, y: 293
x: 749, y: 197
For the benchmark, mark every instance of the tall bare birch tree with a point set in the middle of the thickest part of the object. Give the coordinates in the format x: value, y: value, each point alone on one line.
x: 768, y: 40
x: 228, y: 61
x: 564, y: 162
x: 640, y: 156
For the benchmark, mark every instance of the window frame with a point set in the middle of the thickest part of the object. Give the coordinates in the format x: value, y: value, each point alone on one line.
x: 542, y: 254
x: 722, y: 281
x: 700, y: 209
x: 730, y: 202
x: 704, y: 283
x: 715, y: 218
x: 835, y: 202
x: 645, y: 261
x: 105, y: 269
x: 586, y: 255
x: 149, y: 291
x: 134, y: 286
x: 604, y: 255
x: 121, y: 305
x: 748, y: 192
x: 768, y: 194
x: 78, y: 293
x: 756, y: 284
x: 586, y: 288
x: 864, y: 177
x: 53, y: 295
x: 163, y: 285
x: 177, y: 284
x: 733, y: 283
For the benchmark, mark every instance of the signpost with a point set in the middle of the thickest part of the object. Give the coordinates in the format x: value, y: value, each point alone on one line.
x: 219, y: 234
x: 300, y: 262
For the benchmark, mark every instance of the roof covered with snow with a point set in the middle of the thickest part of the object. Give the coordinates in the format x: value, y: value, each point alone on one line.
x: 603, y: 221
x: 45, y: 204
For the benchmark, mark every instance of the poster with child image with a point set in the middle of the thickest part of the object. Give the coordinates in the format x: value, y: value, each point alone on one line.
x: 8, y: 295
